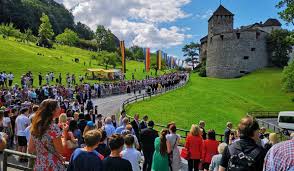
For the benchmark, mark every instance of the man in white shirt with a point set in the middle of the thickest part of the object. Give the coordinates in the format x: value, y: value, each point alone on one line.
x: 131, y: 154
x: 21, y: 123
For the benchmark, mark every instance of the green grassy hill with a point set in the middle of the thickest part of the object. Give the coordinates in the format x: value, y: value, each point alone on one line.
x: 20, y: 58
x: 217, y: 101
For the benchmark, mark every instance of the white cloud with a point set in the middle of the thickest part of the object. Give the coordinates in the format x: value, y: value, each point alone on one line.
x: 205, y: 15
x: 136, y: 21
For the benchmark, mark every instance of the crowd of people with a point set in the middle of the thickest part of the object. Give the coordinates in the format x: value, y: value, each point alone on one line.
x: 59, y: 130
x: 94, y: 142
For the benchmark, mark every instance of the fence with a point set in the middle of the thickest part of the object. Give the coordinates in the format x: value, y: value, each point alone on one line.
x: 30, y: 157
x: 275, y: 128
x: 264, y: 114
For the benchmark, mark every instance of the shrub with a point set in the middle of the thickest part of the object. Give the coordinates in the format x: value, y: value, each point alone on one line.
x: 288, y: 78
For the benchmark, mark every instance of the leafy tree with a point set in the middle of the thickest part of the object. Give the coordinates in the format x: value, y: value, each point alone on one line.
x: 8, y: 30
x: 288, y: 78
x: 191, y: 52
x: 138, y: 53
x: 280, y: 45
x: 26, y: 14
x: 107, y: 58
x: 87, y: 44
x: 287, y: 13
x: 84, y: 31
x: 45, y: 32
x: 68, y: 37
x: 105, y: 39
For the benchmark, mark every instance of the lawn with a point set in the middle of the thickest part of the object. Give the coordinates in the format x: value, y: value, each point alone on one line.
x: 20, y: 58
x: 217, y: 101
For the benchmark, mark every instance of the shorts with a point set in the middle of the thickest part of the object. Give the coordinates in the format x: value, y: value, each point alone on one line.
x: 22, y: 141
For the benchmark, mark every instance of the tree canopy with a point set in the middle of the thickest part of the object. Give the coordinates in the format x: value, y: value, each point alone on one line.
x: 68, y: 37
x: 191, y: 52
x: 280, y: 45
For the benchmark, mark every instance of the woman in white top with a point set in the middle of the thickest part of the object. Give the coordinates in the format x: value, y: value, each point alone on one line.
x: 173, y: 141
x: 7, y: 127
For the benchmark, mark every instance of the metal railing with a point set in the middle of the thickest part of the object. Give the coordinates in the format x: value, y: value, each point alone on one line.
x: 278, y: 130
x: 264, y: 114
x: 30, y: 157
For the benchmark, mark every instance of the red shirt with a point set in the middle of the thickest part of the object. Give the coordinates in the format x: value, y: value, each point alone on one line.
x: 194, y: 146
x: 209, y: 150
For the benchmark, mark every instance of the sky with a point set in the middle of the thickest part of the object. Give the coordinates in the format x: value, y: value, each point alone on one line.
x: 166, y: 24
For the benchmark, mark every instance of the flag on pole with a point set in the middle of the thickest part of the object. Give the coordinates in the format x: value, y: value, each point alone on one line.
x: 123, y: 56
x: 159, y: 57
x: 147, y: 59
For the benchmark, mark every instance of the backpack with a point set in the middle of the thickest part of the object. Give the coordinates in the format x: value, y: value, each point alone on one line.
x: 241, y: 160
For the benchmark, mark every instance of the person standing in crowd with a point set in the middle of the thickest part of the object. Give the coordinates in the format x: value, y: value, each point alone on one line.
x: 45, y: 140
x: 162, y: 149
x: 130, y: 153
x: 124, y: 122
x: 82, y: 122
x: 108, y: 127
x: 89, y: 106
x: 144, y: 122
x: 173, y: 141
x: 210, y: 146
x: 122, y: 116
x: 228, y: 132
x: 280, y: 157
x: 40, y: 79
x: 103, y: 148
x: 21, y: 123
x: 114, y: 162
x: 244, y: 154
x: 202, y: 126
x: 136, y: 126
x: 7, y: 127
x: 10, y: 77
x: 77, y: 134
x: 87, y: 158
x: 216, y: 159
x: 273, y: 139
x: 194, y: 143
x: 114, y: 123
x: 148, y: 136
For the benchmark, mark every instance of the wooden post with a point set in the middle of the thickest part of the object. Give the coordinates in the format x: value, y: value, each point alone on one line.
x: 5, y: 161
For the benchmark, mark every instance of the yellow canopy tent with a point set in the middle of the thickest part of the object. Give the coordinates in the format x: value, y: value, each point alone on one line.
x: 103, y: 74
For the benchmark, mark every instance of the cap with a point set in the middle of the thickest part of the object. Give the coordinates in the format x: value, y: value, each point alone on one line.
x: 90, y: 124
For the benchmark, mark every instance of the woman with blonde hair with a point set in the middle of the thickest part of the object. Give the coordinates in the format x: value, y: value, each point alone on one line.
x: 273, y: 139
x: 216, y: 159
x: 193, y: 145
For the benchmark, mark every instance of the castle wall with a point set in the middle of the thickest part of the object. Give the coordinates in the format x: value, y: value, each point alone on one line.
x: 203, y: 51
x: 219, y: 24
x: 230, y: 57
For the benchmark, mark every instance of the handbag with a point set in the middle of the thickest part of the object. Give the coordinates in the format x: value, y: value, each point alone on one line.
x: 185, y: 154
x: 170, y: 155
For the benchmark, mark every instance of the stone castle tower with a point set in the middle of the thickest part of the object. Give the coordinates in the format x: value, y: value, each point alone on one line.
x: 230, y: 52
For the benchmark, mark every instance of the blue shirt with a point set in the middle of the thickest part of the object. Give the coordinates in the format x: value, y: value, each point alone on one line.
x: 120, y: 129
x: 83, y: 160
x: 109, y: 129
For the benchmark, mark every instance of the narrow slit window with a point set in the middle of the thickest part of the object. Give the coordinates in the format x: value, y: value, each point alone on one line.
x: 238, y: 35
x: 257, y: 35
x: 253, y: 49
x: 222, y: 37
x: 246, y: 57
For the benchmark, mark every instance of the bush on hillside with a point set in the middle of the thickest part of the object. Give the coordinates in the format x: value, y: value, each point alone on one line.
x: 68, y: 37
x: 202, y: 71
x: 8, y: 30
x: 288, y: 78
x: 87, y: 44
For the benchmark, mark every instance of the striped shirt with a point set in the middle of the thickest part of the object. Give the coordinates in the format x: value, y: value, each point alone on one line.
x: 280, y: 157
